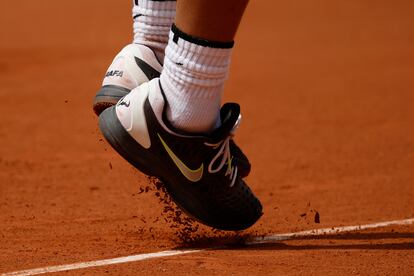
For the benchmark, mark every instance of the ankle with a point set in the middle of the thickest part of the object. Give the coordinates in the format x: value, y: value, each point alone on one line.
x: 193, y: 79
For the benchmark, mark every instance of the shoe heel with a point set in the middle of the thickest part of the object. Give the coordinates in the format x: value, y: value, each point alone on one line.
x: 122, y: 142
x: 108, y: 96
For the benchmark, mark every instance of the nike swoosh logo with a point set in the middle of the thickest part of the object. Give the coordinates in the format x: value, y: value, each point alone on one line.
x: 191, y: 175
x: 124, y: 103
x: 147, y: 69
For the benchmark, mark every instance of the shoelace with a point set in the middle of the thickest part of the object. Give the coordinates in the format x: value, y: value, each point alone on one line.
x: 226, y: 153
x: 227, y: 158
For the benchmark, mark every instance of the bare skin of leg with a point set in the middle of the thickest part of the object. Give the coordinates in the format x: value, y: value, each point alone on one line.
x: 215, y: 20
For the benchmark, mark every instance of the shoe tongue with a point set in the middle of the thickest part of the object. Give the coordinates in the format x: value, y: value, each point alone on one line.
x: 229, y: 116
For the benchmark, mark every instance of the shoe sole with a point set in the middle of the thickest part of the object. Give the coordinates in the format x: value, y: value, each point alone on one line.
x: 144, y: 161
x: 108, y: 96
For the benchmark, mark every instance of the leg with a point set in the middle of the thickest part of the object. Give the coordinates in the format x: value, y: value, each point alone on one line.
x: 215, y: 20
x: 197, y: 62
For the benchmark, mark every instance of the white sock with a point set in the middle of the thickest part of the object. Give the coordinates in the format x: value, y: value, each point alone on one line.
x: 152, y: 23
x: 193, y: 79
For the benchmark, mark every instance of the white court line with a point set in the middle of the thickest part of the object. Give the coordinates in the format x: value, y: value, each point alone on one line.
x: 121, y: 260
x: 253, y: 241
x: 325, y: 231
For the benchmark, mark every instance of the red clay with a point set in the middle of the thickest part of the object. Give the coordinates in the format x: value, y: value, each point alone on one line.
x: 326, y: 90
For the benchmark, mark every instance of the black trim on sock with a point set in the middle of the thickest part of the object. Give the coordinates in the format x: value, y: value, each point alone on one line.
x: 199, y: 41
x: 136, y: 1
x: 137, y: 4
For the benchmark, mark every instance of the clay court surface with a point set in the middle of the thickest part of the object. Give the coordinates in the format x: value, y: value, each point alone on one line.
x: 327, y: 93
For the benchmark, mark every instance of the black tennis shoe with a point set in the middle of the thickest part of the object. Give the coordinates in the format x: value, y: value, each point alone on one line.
x: 198, y: 171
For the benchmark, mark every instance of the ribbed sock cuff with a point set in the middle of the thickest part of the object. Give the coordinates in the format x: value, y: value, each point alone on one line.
x: 177, y: 34
x: 193, y: 78
x: 200, y: 67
